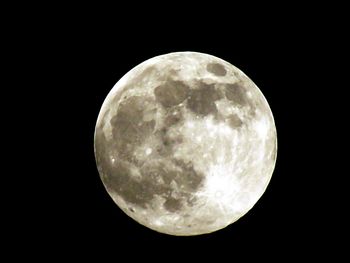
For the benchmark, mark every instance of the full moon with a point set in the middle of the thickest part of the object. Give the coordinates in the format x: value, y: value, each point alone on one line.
x: 185, y: 143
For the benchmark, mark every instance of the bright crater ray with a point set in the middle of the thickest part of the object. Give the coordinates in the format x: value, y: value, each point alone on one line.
x: 185, y: 143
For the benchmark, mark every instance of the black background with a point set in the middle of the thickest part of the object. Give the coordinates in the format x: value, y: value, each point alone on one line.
x: 75, y: 60
x: 88, y: 215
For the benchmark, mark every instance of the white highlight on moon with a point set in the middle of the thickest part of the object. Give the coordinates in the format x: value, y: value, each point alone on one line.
x: 205, y: 169
x: 148, y: 151
x: 262, y: 128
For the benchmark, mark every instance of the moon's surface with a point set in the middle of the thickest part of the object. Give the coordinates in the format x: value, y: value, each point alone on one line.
x: 185, y: 143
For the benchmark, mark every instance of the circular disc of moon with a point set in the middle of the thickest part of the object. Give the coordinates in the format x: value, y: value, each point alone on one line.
x: 185, y: 143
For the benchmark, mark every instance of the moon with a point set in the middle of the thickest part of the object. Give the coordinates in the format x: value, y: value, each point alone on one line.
x: 185, y: 143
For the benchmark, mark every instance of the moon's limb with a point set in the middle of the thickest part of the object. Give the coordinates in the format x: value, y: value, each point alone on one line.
x: 185, y: 143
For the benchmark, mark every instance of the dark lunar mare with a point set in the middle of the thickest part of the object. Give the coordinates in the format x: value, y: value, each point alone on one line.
x: 217, y: 69
x: 128, y: 127
x: 236, y: 93
x: 201, y: 100
x: 171, y: 93
x: 129, y: 130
